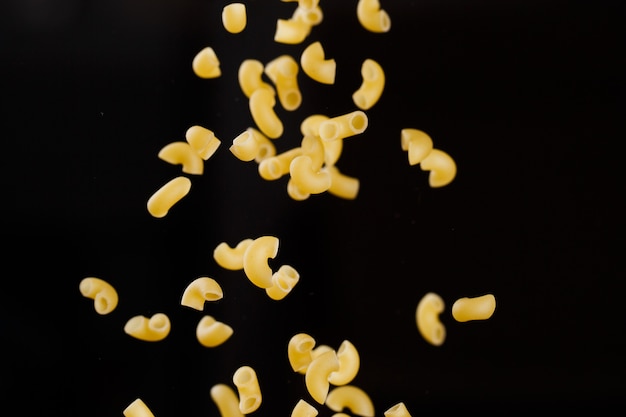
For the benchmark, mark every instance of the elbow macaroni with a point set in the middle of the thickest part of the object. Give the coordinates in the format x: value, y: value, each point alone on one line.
x: 226, y: 400
x: 304, y: 409
x: 343, y: 126
x: 276, y: 166
x: 231, y: 258
x: 211, y: 333
x: 151, y: 329
x: 137, y: 409
x: 427, y: 318
x: 342, y: 185
x: 250, y: 77
x: 417, y: 143
x: 206, y: 64
x: 202, y: 141
x: 306, y: 178
x: 317, y: 374
x: 252, y: 145
x: 283, y: 72
x: 247, y: 383
x: 314, y: 64
x: 101, y: 292
x: 255, y: 260
x: 283, y: 282
x: 474, y: 308
x: 372, y: 17
x: 261, y: 103
x: 398, y: 410
x: 181, y: 153
x: 372, y: 85
x: 160, y: 203
x: 351, y: 397
x: 299, y: 350
x: 349, y: 364
x: 441, y: 166
x: 200, y: 290
x: 234, y: 17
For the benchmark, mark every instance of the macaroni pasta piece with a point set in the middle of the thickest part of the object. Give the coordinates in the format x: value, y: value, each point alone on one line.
x: 349, y: 364
x: 206, y: 64
x: 283, y: 282
x: 441, y: 166
x: 310, y: 126
x: 151, y: 329
x: 261, y: 103
x: 137, y: 409
x: 202, y: 140
x: 276, y: 166
x: 247, y: 383
x: 309, y: 15
x: 313, y: 147
x: 291, y: 31
x: 226, y: 400
x: 474, y: 308
x: 314, y: 64
x: 299, y: 351
x: 250, y: 77
x: 398, y: 410
x: 417, y: 143
x: 427, y: 318
x: 372, y: 85
x: 102, y: 293
x: 306, y: 178
x: 372, y: 17
x: 252, y: 145
x: 304, y: 409
x: 342, y: 185
x: 200, y: 290
x: 255, y: 260
x: 181, y: 153
x: 343, y: 126
x: 283, y: 72
x: 231, y: 258
x: 317, y: 374
x: 351, y: 397
x: 234, y: 17
x: 160, y: 203
x: 295, y: 192
x: 211, y: 333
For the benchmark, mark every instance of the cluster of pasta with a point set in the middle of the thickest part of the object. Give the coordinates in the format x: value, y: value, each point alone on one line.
x: 419, y: 146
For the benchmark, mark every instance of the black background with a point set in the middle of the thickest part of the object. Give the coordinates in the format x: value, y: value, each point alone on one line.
x: 527, y: 96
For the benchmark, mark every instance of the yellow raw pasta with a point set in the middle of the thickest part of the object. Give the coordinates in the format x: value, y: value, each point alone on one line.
x: 342, y: 185
x: 343, y: 126
x: 398, y: 410
x: 291, y: 31
x: 202, y: 140
x: 474, y: 308
x: 252, y: 145
x: 283, y: 72
x: 160, y: 203
x: 206, y: 64
x: 317, y: 374
x: 304, y: 409
x: 255, y: 260
x: 261, y: 103
x: 306, y: 178
x: 316, y: 66
x: 299, y: 351
x: 313, y: 147
x: 417, y: 143
x: 372, y: 85
x: 276, y: 166
x: 102, y: 293
x: 226, y: 400
x: 351, y: 397
x: 181, y: 153
x: 151, y: 329
x: 247, y: 383
x: 295, y: 192
x: 349, y: 364
x: 137, y: 409
x: 234, y: 17
x: 231, y: 258
x: 283, y: 282
x: 372, y: 17
x: 200, y: 290
x: 211, y: 333
x: 427, y: 318
x: 441, y: 166
x: 250, y: 77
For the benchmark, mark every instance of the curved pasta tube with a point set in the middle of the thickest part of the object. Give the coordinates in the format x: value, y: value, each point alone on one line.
x: 319, y: 350
x: 255, y: 259
x: 283, y: 72
x: 283, y: 282
x: 276, y: 166
x: 343, y: 126
x: 342, y: 185
x: 202, y: 140
x: 306, y: 178
x: 151, y: 329
x: 316, y: 66
x: 418, y: 144
x: 310, y: 126
x: 372, y: 85
x: 247, y: 383
x: 231, y: 258
x: 181, y: 153
x: 226, y: 400
x: 291, y: 31
x: 474, y: 308
x: 398, y: 410
x: 427, y: 318
x: 317, y: 374
x: 250, y: 77
x: 266, y: 146
x: 313, y: 147
x: 351, y: 397
x: 299, y: 351
x: 234, y: 17
x: 206, y: 64
x: 102, y: 293
x: 261, y: 103
x: 200, y: 290
x: 441, y: 166
x: 211, y: 333
x: 372, y: 17
x: 160, y: 203
x: 304, y: 409
x: 252, y: 145
x: 295, y: 192
x: 137, y: 409
x: 349, y: 364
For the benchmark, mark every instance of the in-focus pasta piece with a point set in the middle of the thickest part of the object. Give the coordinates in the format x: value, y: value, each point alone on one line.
x: 200, y: 290
x: 304, y: 409
x: 343, y: 126
x: 372, y: 85
x: 181, y: 153
x: 372, y: 17
x: 474, y: 308
x: 151, y: 329
x: 417, y: 143
x: 211, y: 333
x: 234, y: 17
x: 427, y: 317
x: 160, y: 203
x: 441, y: 166
x: 398, y: 410
x: 202, y: 140
x: 102, y: 293
x: 261, y: 103
x: 231, y: 258
x: 276, y: 166
x: 306, y: 178
x: 226, y: 400
x: 342, y: 185
x: 317, y: 374
x: 247, y: 383
x: 351, y: 397
x: 313, y: 147
x: 252, y: 145
x: 283, y: 72
x: 316, y: 66
x: 349, y: 364
x: 255, y: 260
x: 250, y: 77
x: 299, y: 351
x: 137, y: 409
x: 206, y: 64
x: 283, y: 282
